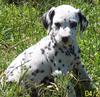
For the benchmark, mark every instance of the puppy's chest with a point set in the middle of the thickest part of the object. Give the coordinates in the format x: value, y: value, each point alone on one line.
x: 60, y: 55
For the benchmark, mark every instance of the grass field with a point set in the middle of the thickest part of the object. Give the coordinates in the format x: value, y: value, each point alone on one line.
x: 21, y: 27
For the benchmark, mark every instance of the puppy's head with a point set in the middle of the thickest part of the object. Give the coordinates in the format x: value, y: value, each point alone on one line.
x: 64, y: 20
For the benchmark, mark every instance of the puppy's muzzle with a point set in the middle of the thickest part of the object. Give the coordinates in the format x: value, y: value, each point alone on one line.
x: 65, y: 39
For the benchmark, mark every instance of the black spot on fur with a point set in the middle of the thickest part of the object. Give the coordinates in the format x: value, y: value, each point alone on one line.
x: 54, y: 46
x: 42, y: 51
x: 49, y: 44
x: 11, y: 73
x: 30, y: 66
x: 23, y: 59
x: 59, y: 60
x: 37, y: 71
x: 42, y: 71
x: 74, y: 54
x: 33, y: 73
x: 54, y: 64
x: 63, y: 65
x: 17, y: 67
x: 58, y: 25
x: 51, y: 60
x: 49, y: 48
x: 67, y: 53
x: 59, y: 68
x: 61, y: 50
x: 56, y: 53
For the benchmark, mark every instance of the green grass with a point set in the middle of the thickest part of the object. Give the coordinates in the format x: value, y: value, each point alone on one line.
x: 21, y: 27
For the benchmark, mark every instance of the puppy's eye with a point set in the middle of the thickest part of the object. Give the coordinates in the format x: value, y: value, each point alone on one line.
x: 73, y: 24
x: 58, y: 25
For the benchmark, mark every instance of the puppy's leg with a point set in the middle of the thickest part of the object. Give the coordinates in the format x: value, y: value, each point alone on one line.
x: 81, y: 74
x: 83, y: 81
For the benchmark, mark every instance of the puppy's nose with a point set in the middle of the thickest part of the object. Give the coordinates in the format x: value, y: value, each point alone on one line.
x: 65, y: 39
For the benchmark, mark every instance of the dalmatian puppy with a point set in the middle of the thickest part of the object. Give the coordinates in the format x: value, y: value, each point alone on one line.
x: 56, y: 53
x: 62, y: 17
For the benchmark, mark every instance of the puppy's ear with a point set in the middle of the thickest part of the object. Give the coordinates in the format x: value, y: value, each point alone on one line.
x: 47, y: 18
x: 82, y: 21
